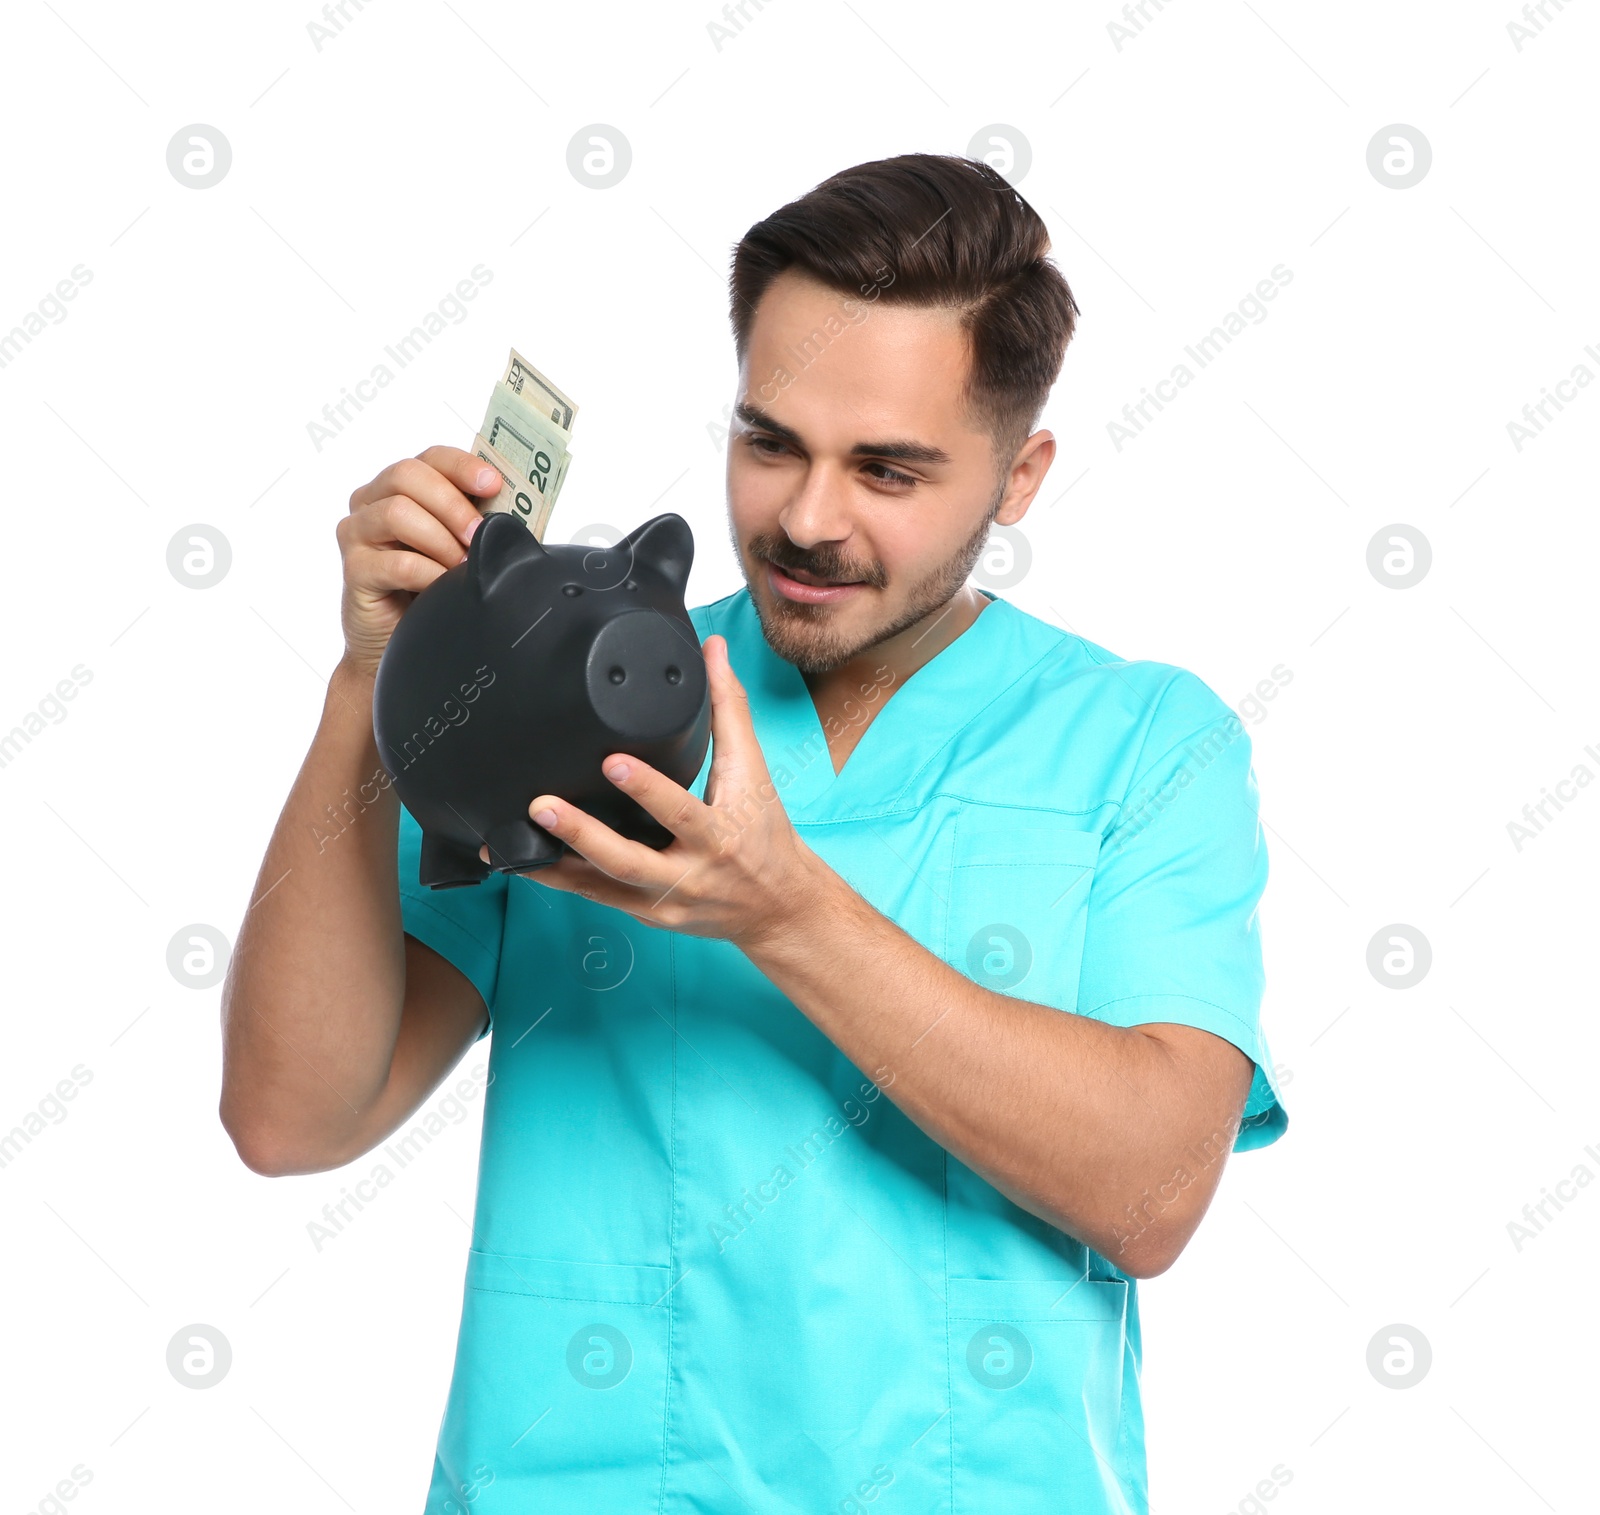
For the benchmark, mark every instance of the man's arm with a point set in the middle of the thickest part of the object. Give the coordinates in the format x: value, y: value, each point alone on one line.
x: 336, y: 1025
x: 1085, y: 1125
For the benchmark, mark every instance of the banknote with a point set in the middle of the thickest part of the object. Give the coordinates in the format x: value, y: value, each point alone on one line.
x: 524, y: 435
x: 537, y: 392
x: 516, y: 497
x: 533, y: 445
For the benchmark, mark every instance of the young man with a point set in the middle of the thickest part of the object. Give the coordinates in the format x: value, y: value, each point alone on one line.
x: 824, y: 1147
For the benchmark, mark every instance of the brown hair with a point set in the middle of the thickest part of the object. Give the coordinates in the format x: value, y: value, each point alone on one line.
x: 946, y: 231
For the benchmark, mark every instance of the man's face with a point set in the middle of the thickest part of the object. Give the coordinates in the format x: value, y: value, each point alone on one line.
x: 851, y: 465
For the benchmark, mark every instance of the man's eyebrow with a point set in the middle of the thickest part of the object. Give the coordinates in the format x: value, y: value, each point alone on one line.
x: 901, y: 451
x: 754, y: 415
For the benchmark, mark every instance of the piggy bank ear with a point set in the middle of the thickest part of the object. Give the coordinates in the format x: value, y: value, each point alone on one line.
x: 666, y: 544
x: 498, y: 548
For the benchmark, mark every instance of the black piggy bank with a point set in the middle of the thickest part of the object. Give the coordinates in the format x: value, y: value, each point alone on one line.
x: 516, y: 673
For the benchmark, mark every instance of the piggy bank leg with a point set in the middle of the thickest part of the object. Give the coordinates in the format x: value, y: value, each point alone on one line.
x: 448, y: 864
x: 516, y: 846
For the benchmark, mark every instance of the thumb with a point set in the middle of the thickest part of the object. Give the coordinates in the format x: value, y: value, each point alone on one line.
x: 736, y: 754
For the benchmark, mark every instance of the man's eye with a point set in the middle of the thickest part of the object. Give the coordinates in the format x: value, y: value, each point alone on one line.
x: 887, y: 475
x: 760, y: 444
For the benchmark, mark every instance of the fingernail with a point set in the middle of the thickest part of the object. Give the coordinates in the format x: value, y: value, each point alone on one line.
x: 618, y: 771
x: 486, y: 477
x: 545, y: 818
x: 472, y: 526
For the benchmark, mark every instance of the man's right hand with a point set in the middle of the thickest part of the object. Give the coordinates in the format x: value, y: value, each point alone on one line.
x: 405, y: 528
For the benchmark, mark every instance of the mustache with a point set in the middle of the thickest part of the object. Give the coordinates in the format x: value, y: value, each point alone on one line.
x: 823, y: 564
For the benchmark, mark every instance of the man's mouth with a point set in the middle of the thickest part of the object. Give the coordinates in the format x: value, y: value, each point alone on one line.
x: 805, y: 576
x: 805, y: 587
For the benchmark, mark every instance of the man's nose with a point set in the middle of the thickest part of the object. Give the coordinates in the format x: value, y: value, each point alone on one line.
x: 819, y: 511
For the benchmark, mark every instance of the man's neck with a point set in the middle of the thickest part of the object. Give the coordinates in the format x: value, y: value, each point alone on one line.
x: 849, y: 697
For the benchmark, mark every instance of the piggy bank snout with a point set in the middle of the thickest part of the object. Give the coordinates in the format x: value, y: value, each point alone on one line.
x: 645, y: 676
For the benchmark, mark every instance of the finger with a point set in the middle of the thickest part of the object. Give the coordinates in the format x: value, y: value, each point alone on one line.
x: 571, y: 874
x: 399, y: 522
x: 465, y: 469
x: 568, y: 872
x: 445, y: 489
x: 686, y: 817
x: 383, y: 570
x: 577, y: 875
x: 736, y: 754
x: 592, y: 885
x: 615, y: 856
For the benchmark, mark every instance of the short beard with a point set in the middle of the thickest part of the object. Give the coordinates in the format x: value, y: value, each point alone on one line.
x: 800, y: 634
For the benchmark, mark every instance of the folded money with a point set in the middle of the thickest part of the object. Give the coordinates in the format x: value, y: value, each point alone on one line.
x: 524, y: 437
x: 538, y: 392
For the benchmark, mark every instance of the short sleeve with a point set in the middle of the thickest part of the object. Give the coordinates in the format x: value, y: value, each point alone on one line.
x: 1173, y: 931
x: 465, y: 925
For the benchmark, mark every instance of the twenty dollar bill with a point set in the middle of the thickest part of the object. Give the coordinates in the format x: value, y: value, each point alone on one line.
x: 524, y: 436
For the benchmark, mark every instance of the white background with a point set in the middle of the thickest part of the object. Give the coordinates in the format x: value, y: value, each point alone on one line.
x: 1230, y: 536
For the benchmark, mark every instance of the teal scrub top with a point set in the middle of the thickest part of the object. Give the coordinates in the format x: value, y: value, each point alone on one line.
x: 714, y: 1268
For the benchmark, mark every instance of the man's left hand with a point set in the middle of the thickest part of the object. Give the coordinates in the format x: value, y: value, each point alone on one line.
x: 736, y: 869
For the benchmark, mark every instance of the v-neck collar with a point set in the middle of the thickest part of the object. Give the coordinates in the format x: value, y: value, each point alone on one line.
x: 919, y: 716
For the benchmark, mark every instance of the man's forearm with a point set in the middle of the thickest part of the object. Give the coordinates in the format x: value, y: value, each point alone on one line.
x: 312, y: 1001
x: 1081, y: 1123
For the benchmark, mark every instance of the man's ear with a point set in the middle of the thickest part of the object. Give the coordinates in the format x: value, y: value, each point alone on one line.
x: 1025, y: 475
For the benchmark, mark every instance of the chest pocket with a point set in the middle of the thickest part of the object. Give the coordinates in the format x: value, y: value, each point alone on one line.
x: 1018, y: 901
